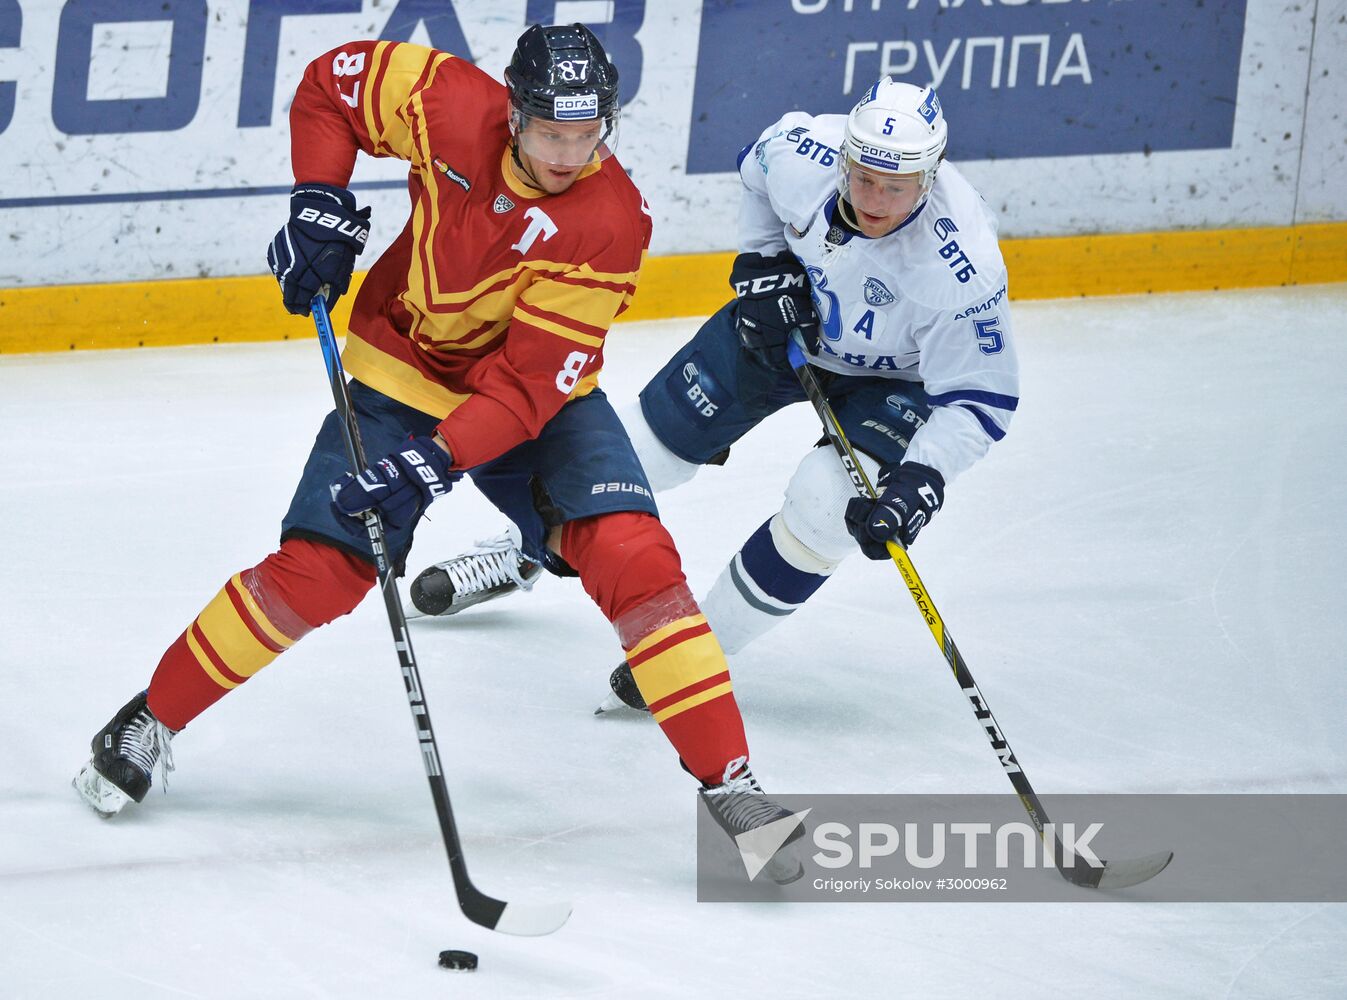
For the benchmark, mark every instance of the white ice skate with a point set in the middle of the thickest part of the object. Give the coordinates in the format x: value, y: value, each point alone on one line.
x: 492, y: 568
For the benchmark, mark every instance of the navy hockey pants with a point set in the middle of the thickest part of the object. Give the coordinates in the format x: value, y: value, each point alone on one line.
x: 712, y: 393
x: 582, y: 464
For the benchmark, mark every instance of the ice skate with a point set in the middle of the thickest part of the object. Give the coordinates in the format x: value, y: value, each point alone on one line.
x: 622, y: 692
x: 739, y: 806
x: 491, y: 569
x: 125, y: 754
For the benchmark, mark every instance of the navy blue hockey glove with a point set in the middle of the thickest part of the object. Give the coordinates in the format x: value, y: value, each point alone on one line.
x: 317, y: 248
x: 909, y: 495
x: 400, y: 486
x: 774, y: 299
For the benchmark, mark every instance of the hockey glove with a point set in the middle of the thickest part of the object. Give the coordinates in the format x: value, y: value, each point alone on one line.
x: 317, y: 248
x: 400, y: 486
x: 909, y: 495
x: 774, y: 299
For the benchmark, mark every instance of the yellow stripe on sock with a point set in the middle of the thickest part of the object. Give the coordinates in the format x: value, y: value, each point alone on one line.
x: 660, y: 634
x: 700, y: 698
x: 680, y: 666
x: 231, y: 638
x: 259, y: 616
x: 203, y: 660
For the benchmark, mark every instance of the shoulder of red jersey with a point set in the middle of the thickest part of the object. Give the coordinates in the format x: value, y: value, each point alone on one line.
x: 468, y: 91
x: 605, y: 214
x: 387, y: 99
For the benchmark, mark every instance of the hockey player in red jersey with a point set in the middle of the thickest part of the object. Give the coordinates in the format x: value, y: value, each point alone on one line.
x: 474, y: 348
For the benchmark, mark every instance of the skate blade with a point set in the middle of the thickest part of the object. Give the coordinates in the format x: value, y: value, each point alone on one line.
x: 410, y: 611
x: 615, y: 706
x: 99, y: 794
x: 409, y: 608
x: 784, y: 869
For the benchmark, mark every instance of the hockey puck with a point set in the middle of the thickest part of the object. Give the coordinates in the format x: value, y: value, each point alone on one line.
x: 459, y: 961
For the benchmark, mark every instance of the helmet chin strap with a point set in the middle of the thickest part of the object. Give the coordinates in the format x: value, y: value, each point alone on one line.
x: 527, y: 173
x: 515, y: 122
x: 848, y: 214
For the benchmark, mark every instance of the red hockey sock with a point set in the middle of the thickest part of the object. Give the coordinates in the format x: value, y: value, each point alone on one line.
x: 629, y: 566
x: 256, y: 616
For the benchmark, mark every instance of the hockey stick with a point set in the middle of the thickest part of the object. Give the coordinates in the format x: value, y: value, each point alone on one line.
x: 495, y: 914
x: 1112, y: 874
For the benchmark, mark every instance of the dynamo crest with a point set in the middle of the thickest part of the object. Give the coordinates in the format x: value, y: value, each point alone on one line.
x: 870, y: 94
x: 876, y: 293
x: 930, y: 108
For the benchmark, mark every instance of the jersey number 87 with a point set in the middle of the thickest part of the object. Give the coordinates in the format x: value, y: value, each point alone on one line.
x: 570, y: 371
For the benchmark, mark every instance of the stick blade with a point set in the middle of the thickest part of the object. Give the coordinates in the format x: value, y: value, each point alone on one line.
x: 532, y: 920
x: 1134, y: 871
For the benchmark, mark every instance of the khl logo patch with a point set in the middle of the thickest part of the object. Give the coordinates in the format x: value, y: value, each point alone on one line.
x: 502, y: 205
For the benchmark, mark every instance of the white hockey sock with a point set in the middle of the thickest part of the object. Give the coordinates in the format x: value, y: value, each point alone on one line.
x: 768, y: 578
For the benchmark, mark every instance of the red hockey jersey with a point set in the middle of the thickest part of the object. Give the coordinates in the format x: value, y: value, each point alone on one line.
x: 490, y: 308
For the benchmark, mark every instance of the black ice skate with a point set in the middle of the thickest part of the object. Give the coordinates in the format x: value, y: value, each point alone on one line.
x: 125, y: 754
x: 740, y: 807
x: 622, y: 692
x: 491, y: 569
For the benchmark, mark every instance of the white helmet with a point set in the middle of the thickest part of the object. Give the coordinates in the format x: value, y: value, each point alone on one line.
x: 895, y: 128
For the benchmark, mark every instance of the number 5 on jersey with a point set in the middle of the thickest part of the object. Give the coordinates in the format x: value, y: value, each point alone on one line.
x: 571, y: 370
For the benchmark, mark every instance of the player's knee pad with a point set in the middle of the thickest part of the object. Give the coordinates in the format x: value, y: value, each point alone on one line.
x: 767, y: 580
x: 816, y: 503
x: 306, y: 583
x: 663, y: 468
x: 626, y: 561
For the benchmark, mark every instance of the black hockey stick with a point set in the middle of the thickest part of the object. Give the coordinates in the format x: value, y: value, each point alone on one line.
x: 511, y: 918
x: 1112, y: 874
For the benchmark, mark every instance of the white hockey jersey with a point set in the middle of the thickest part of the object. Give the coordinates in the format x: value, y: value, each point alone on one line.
x: 925, y: 303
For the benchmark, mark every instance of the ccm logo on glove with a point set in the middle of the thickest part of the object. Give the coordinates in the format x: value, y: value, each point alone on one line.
x: 770, y: 283
x: 910, y: 494
x: 773, y: 300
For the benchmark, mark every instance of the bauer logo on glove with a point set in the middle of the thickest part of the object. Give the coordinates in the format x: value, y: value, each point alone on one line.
x: 316, y: 250
x: 400, y: 487
x: 344, y: 226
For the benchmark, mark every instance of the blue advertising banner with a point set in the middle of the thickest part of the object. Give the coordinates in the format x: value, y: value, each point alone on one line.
x: 1021, y: 78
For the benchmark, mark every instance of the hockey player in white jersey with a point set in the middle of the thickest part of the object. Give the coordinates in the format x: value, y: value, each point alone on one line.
x: 853, y: 230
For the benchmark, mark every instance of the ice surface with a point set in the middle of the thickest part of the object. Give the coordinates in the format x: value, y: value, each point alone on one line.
x: 1145, y: 578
